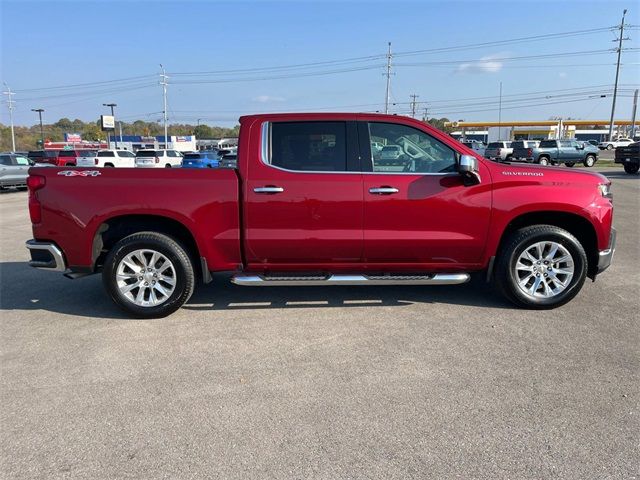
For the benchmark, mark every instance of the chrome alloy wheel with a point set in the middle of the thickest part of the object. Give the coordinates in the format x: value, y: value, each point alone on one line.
x: 544, y: 269
x: 146, y: 278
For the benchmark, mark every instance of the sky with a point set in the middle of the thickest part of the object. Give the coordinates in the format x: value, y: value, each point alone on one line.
x: 70, y: 57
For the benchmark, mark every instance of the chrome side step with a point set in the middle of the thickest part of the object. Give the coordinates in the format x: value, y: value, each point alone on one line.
x: 302, y: 280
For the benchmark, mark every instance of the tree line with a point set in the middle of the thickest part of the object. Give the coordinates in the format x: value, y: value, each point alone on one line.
x: 28, y: 138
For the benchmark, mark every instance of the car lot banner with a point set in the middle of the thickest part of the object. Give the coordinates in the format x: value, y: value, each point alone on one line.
x: 72, y: 137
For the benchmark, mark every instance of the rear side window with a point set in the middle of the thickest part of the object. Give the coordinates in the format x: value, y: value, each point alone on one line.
x: 125, y: 154
x: 548, y: 144
x: 192, y: 156
x: 309, y: 146
x: 106, y: 154
x: 5, y: 160
x: 51, y: 154
x: 68, y: 153
x: 145, y: 153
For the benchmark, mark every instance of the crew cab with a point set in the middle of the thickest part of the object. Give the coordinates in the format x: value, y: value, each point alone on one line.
x: 629, y: 157
x: 109, y: 159
x: 553, y: 152
x: 310, y: 205
x: 158, y: 158
x: 499, y: 150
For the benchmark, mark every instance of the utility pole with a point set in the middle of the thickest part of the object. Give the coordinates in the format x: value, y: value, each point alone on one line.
x: 615, y: 88
x: 633, y: 115
x: 426, y: 114
x: 388, y: 74
x: 413, y: 104
x: 9, y: 94
x: 163, y: 82
x: 40, y: 110
x: 120, y: 125
x: 500, y: 114
x: 112, y: 105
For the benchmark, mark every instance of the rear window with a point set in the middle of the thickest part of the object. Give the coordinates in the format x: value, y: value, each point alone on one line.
x: 548, y: 144
x: 517, y: 144
x: 495, y: 145
x: 51, y: 154
x: 531, y: 144
x: 87, y: 153
x: 68, y: 153
x: 146, y: 153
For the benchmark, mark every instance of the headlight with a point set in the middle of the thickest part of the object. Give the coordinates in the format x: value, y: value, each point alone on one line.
x: 605, y: 190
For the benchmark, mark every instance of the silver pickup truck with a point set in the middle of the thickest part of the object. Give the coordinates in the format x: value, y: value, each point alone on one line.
x: 501, y: 150
x: 553, y: 152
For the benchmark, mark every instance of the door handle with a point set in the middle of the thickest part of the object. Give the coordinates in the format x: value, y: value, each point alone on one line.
x: 268, y: 189
x: 383, y: 190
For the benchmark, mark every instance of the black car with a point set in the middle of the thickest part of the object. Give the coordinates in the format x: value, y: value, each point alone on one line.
x: 629, y: 157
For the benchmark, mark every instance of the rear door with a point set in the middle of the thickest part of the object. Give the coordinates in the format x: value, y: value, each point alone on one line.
x: 303, y: 196
x: 418, y: 213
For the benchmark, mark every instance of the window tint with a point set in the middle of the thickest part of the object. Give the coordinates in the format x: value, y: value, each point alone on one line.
x: 51, y: 154
x: 5, y: 160
x: 125, y: 154
x: 309, y: 146
x: 495, y: 145
x: 106, y: 154
x: 67, y: 153
x: 517, y: 144
x: 548, y: 144
x: 565, y: 143
x: 146, y: 153
x: 87, y: 153
x: 20, y: 160
x: 407, y: 149
x: 194, y: 156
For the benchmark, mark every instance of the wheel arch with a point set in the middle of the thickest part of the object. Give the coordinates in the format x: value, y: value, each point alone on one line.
x: 114, y: 229
x: 579, y: 226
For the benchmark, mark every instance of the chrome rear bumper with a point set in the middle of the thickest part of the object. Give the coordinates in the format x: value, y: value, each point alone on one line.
x: 46, y: 256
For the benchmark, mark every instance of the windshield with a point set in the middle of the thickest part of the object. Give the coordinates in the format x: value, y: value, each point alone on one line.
x: 146, y: 153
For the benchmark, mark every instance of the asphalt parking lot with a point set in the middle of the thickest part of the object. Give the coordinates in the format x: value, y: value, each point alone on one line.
x: 351, y: 382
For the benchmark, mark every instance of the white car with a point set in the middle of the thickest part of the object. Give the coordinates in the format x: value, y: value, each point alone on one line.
x: 108, y: 159
x: 610, y: 145
x: 158, y: 158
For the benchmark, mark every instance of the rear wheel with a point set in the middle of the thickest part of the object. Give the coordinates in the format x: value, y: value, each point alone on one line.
x: 609, y: 147
x: 148, y: 275
x: 541, y: 267
x: 543, y: 161
x: 589, y: 161
x: 570, y: 164
x: 168, y: 165
x: 108, y: 165
x: 632, y: 168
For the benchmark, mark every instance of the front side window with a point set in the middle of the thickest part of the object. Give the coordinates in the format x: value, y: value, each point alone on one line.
x: 308, y: 146
x: 20, y: 160
x: 409, y: 150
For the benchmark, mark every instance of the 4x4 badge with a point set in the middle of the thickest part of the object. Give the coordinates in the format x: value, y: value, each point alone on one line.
x: 79, y: 173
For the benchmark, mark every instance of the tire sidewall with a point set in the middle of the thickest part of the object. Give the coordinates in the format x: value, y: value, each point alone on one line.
x: 589, y: 161
x: 545, y: 234
x: 162, y: 244
x: 543, y: 161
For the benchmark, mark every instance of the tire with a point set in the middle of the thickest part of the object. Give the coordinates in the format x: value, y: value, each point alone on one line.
x: 108, y: 165
x: 508, y: 276
x: 632, y: 168
x: 69, y: 164
x: 609, y: 147
x: 151, y: 303
x: 168, y: 165
x: 589, y: 161
x: 543, y: 161
x: 570, y: 164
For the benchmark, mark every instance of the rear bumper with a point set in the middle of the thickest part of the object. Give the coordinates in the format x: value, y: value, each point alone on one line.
x: 46, y: 256
x: 606, y: 256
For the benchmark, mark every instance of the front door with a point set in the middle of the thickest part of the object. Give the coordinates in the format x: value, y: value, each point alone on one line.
x: 417, y: 212
x: 303, y: 197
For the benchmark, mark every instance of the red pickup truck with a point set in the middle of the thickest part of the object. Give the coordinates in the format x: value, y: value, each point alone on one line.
x: 313, y: 202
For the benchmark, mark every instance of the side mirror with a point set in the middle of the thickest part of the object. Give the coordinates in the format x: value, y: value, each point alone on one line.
x: 468, y: 169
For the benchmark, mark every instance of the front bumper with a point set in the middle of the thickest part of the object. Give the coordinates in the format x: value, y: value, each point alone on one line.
x: 46, y: 256
x: 606, y: 256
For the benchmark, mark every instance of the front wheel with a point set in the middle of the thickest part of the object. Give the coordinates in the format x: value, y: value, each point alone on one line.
x: 589, y: 161
x: 168, y: 165
x: 609, y: 147
x: 570, y: 164
x: 543, y: 161
x: 632, y: 168
x: 541, y: 267
x: 148, y: 275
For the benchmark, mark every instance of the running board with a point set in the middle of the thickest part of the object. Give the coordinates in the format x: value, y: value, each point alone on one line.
x: 318, y: 280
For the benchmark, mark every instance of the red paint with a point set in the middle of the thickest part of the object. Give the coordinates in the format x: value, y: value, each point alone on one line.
x: 321, y: 221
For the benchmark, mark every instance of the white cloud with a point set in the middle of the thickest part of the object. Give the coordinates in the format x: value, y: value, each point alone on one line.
x: 267, y: 99
x: 488, y: 64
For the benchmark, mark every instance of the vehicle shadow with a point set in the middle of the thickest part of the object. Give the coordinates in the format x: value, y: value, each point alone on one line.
x: 24, y: 288
x: 619, y: 174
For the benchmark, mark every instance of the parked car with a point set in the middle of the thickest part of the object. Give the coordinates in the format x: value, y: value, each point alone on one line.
x: 476, y: 146
x: 500, y: 150
x: 611, y: 144
x: 201, y: 160
x: 294, y: 213
x: 158, y: 158
x: 45, y: 156
x: 553, y: 152
x: 14, y: 170
x: 391, y: 153
x: 229, y: 160
x: 85, y: 158
x: 521, y: 149
x: 629, y: 157
x: 69, y: 158
x: 109, y: 159
x: 595, y: 143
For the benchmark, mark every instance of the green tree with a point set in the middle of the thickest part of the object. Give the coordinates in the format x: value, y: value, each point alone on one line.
x: 91, y: 132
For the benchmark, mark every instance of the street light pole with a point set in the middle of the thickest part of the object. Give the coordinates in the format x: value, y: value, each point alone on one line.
x: 615, y: 88
x: 9, y: 94
x: 112, y: 105
x: 163, y: 82
x: 40, y: 110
